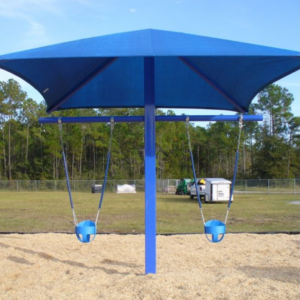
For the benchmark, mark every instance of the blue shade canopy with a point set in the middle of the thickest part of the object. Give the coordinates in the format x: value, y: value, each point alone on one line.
x: 190, y: 71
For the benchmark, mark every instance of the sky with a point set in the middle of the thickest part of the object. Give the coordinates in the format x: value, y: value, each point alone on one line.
x: 27, y: 24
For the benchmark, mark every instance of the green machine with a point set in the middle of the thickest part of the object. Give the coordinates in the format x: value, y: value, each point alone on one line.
x: 183, y: 188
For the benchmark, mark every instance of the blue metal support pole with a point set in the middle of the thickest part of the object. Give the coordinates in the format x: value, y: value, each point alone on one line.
x: 150, y: 167
x: 133, y: 119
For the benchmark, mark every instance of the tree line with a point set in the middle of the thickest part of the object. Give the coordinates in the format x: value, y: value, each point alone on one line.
x: 29, y: 150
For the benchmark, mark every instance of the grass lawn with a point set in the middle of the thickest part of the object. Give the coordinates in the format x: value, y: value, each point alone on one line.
x: 124, y: 213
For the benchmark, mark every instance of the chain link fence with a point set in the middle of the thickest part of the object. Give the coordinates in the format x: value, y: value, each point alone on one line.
x: 268, y: 186
x: 249, y: 186
x: 61, y: 185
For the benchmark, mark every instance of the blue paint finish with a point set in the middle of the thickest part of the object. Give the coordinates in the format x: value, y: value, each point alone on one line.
x: 133, y: 119
x: 150, y: 167
x: 81, y: 71
x: 216, y: 86
x: 67, y: 176
x: 93, y: 74
x: 86, y: 231
x: 216, y: 229
x: 209, y: 118
x: 105, y: 179
x: 195, y: 179
x: 234, y: 177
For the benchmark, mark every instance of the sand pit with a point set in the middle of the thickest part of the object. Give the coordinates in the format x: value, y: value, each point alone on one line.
x: 57, y: 266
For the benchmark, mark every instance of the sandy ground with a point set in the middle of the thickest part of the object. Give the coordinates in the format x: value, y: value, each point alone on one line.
x: 57, y: 266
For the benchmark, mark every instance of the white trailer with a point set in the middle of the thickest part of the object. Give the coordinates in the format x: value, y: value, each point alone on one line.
x: 217, y: 189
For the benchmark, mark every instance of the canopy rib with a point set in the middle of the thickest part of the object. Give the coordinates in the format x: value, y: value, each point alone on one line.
x: 213, y: 84
x: 98, y: 70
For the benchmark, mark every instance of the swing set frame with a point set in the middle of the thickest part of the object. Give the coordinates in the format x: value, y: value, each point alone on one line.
x: 149, y: 120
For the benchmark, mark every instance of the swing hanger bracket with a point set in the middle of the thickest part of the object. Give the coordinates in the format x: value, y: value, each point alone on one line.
x: 187, y: 122
x: 241, y: 122
x: 112, y: 122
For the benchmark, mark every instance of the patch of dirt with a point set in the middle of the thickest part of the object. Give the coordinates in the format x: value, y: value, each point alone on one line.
x: 58, y: 266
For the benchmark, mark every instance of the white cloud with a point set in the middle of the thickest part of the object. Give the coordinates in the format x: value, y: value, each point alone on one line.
x: 29, y: 11
x: 132, y: 10
x: 36, y: 35
x: 36, y: 29
x: 25, y: 8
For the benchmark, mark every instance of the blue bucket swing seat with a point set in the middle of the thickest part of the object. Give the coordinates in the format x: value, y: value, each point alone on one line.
x: 86, y: 231
x: 216, y: 229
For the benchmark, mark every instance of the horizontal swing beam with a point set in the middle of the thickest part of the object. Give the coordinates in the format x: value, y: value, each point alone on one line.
x: 133, y: 119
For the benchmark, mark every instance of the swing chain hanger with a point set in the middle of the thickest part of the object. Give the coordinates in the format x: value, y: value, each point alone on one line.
x: 59, y: 121
x: 240, y: 131
x: 187, y: 120
x: 112, y: 122
x: 241, y: 122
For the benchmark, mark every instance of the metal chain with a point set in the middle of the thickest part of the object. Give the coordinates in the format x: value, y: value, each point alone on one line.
x: 194, y: 173
x: 235, y: 169
x: 240, y: 131
x: 112, y: 124
x: 66, y: 171
x: 187, y: 122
